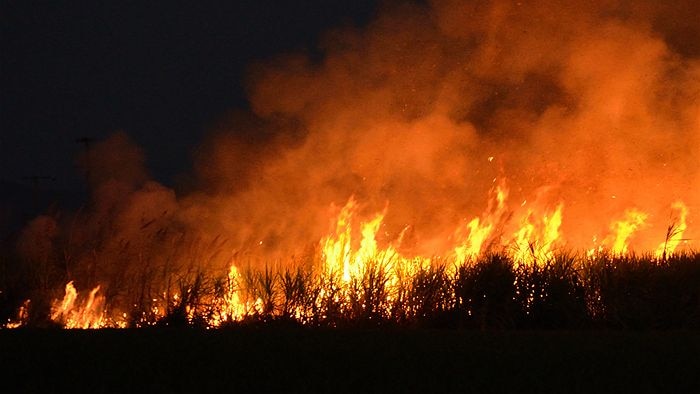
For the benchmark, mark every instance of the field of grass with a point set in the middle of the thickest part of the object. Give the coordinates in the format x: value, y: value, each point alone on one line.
x: 283, y: 359
x: 493, y: 292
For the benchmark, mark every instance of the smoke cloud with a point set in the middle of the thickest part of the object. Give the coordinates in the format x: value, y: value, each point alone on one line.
x: 594, y: 105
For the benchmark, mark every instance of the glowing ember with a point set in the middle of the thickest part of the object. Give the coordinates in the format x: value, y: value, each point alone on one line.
x: 22, y: 316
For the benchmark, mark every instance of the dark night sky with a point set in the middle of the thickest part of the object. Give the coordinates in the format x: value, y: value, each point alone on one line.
x: 161, y: 71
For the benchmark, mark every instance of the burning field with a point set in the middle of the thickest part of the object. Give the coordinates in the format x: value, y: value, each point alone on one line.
x: 485, y: 164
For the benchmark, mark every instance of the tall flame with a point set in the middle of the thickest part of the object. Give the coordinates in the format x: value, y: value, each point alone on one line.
x: 623, y: 229
x: 480, y: 229
x: 89, y: 314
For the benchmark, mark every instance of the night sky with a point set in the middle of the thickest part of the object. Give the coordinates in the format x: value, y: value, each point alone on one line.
x: 163, y: 72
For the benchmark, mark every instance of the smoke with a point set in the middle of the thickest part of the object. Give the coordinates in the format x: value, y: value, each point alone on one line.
x: 593, y: 105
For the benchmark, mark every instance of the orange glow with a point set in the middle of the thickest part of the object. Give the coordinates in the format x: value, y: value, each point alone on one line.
x: 89, y: 314
x: 355, y: 249
x: 624, y: 229
x: 674, y: 235
x: 532, y: 243
x: 22, y: 316
x: 479, y: 231
x: 440, y: 133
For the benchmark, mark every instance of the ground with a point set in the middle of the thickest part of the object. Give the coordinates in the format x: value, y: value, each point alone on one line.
x: 306, y: 360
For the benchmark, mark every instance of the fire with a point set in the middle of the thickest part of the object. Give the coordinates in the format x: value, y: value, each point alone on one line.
x: 534, y: 244
x: 358, y: 257
x: 674, y: 234
x: 479, y: 231
x: 22, y: 316
x: 337, y: 249
x: 341, y: 256
x: 89, y: 314
x: 234, y: 309
x: 534, y: 240
x: 623, y: 229
x: 408, y: 131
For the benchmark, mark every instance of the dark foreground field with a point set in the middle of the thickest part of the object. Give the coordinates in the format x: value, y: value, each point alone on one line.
x: 304, y: 360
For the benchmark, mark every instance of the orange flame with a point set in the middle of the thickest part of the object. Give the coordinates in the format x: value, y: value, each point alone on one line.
x: 89, y: 314
x: 625, y: 228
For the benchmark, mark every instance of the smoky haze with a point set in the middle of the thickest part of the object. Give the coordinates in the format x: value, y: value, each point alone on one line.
x: 422, y: 113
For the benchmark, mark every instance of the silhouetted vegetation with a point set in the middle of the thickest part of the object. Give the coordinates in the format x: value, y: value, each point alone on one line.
x: 493, y: 292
